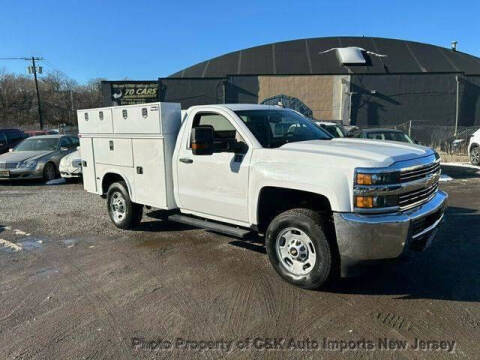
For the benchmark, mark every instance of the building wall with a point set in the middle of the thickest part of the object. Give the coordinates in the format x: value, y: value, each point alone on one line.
x: 386, y: 100
x: 318, y: 92
x: 470, y: 102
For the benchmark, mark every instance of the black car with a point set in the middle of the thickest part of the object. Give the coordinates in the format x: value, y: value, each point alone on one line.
x: 9, y: 138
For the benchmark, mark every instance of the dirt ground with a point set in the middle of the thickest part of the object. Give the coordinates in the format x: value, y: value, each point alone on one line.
x: 74, y: 287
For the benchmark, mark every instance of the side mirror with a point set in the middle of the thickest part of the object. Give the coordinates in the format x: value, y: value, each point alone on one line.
x: 202, y: 140
x: 240, y: 148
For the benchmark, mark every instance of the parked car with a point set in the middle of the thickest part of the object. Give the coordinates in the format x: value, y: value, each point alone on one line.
x: 332, y: 128
x: 37, y: 157
x: 474, y: 148
x: 71, y: 165
x: 9, y: 138
x: 384, y: 134
x: 35, y: 132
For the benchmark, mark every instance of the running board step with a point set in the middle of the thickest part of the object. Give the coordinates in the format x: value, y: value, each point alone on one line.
x: 210, y: 225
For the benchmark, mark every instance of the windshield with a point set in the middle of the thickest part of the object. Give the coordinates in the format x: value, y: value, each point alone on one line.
x: 389, y: 135
x: 274, y: 128
x: 38, y: 144
x: 334, y: 130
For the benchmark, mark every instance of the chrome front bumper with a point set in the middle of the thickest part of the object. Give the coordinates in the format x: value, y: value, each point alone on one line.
x: 369, y: 238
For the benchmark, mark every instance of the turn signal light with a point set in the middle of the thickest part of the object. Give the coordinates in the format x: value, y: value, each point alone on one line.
x: 364, y: 202
x: 364, y: 179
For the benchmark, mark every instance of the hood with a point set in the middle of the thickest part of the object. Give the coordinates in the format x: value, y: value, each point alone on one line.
x: 18, y: 156
x: 382, y: 153
x: 72, y: 156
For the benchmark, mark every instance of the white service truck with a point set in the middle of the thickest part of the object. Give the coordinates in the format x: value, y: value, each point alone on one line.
x: 324, y: 205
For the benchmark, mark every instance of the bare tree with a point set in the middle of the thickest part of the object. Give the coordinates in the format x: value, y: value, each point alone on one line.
x: 61, y: 96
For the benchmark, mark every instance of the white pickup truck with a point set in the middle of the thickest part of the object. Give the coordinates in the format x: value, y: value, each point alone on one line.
x: 324, y: 205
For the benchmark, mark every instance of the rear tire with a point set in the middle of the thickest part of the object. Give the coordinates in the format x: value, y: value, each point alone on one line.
x: 124, y: 213
x: 475, y: 156
x: 298, y: 248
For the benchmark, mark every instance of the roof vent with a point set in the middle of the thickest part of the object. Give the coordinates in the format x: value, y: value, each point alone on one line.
x: 352, y: 55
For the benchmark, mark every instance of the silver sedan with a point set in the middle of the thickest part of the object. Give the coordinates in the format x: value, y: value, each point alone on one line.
x: 37, y: 157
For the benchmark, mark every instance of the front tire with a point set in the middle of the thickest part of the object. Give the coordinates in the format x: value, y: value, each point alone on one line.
x: 475, y: 156
x: 49, y: 172
x: 124, y: 213
x: 298, y: 248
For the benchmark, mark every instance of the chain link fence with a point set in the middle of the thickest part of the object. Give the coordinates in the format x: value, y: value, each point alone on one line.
x: 447, y: 139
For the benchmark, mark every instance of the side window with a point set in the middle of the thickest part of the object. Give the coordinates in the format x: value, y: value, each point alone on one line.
x: 75, y: 142
x: 65, y: 142
x: 226, y: 137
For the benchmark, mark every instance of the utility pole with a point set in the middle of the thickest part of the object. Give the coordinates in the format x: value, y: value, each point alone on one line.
x: 34, y: 70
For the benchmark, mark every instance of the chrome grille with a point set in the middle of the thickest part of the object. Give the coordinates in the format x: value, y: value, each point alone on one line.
x: 414, y: 198
x: 4, y: 165
x: 419, y: 173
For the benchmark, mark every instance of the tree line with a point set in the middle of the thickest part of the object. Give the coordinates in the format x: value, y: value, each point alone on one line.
x: 60, y: 97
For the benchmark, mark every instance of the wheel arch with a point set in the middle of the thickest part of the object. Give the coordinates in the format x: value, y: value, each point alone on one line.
x: 111, y: 177
x: 273, y: 200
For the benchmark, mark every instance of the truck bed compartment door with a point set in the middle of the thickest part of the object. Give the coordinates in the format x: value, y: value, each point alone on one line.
x: 149, y: 174
x: 88, y: 165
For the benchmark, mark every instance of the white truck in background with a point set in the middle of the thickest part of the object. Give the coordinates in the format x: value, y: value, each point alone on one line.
x: 324, y: 205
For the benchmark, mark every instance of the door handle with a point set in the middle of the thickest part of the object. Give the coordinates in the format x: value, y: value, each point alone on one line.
x: 186, y: 160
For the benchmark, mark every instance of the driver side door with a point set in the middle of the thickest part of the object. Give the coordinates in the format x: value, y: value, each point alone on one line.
x: 215, y: 185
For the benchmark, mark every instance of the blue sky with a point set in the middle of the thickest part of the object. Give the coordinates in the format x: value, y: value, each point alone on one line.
x: 146, y: 39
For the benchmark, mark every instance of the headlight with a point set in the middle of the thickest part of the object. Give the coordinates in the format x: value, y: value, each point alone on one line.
x: 377, y: 179
x: 27, y: 164
x: 369, y: 184
x: 77, y: 163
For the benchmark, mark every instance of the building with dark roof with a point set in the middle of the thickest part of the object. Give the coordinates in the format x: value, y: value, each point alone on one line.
x: 361, y: 81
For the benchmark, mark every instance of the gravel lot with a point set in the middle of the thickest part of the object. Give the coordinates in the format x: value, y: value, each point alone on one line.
x: 78, y: 288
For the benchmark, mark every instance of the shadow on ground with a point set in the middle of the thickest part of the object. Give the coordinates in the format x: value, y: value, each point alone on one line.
x: 460, y: 172
x: 448, y: 270
x: 160, y: 223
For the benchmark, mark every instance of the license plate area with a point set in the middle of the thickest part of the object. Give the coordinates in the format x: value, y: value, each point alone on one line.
x: 4, y: 174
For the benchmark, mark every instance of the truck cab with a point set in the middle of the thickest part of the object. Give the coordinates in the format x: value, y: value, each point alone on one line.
x: 324, y: 205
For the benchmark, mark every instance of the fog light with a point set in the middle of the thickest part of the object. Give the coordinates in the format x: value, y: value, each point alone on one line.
x: 364, y: 201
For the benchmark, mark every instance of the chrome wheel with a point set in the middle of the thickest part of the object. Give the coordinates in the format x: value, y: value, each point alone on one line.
x: 296, y: 251
x: 118, y: 206
x: 475, y: 156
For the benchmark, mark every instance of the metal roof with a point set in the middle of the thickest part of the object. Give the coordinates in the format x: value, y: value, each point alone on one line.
x: 302, y: 57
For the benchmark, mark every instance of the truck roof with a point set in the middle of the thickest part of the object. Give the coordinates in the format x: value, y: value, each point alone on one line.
x: 238, y: 107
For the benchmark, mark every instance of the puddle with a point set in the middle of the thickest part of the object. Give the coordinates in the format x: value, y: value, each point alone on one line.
x: 70, y: 242
x: 45, y: 272
x: 56, y: 181
x: 31, y: 243
x: 156, y: 244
